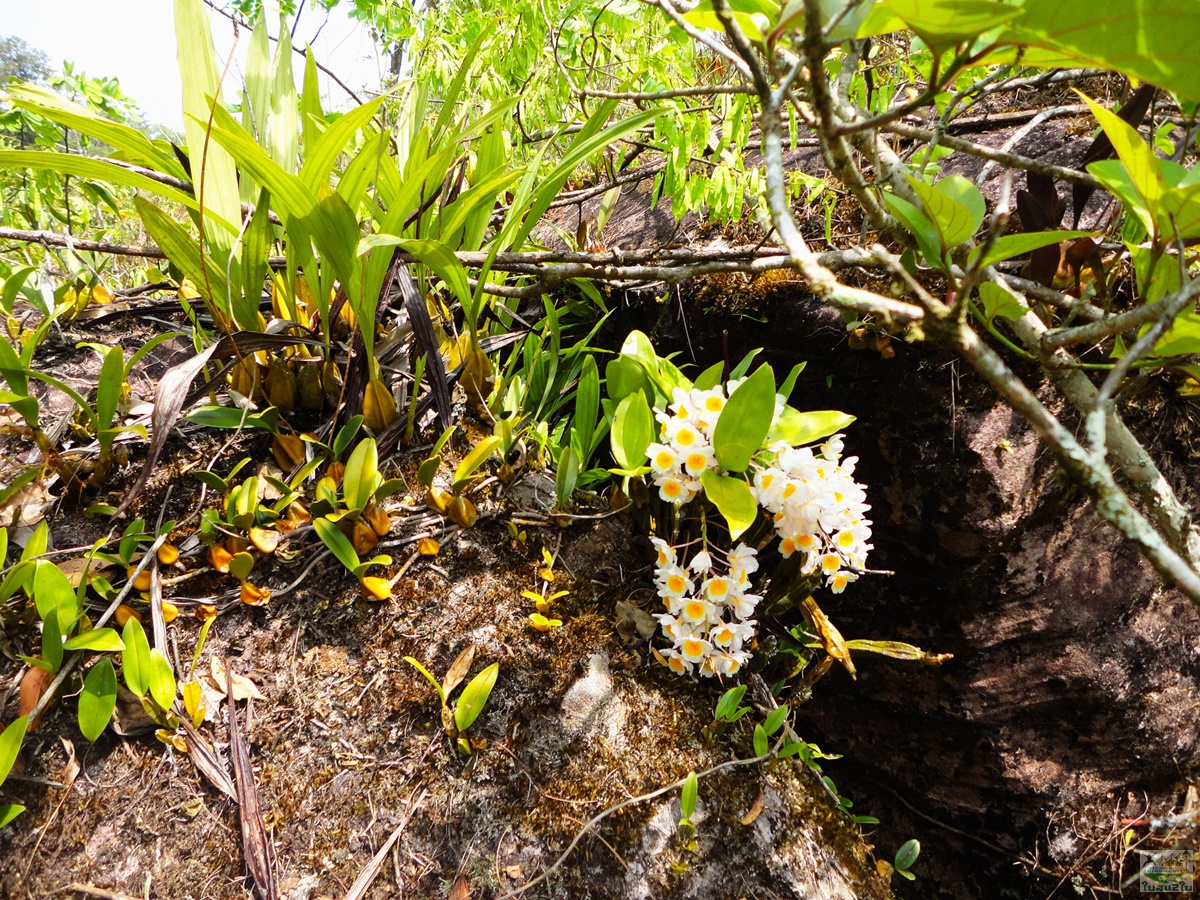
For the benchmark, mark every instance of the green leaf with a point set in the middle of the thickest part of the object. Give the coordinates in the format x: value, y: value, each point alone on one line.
x: 479, y: 454
x: 929, y: 240
x: 108, y: 391
x: 907, y: 854
x: 135, y: 658
x: 745, y: 421
x: 98, y: 700
x: 1137, y: 157
x: 212, y: 165
x: 776, y: 719
x: 362, y: 475
x: 944, y: 23
x: 632, y: 431
x: 160, y: 679
x: 54, y: 596
x: 52, y: 644
x: 954, y: 205
x: 337, y: 542
x: 567, y: 474
x: 687, y: 798
x: 103, y: 640
x: 761, y: 745
x: 424, y: 671
x: 1010, y: 245
x: 733, y: 500
x: 710, y: 377
x: 96, y: 170
x: 10, y: 745
x: 999, y: 303
x: 728, y: 704
x: 475, y: 696
x: 587, y: 408
x: 800, y: 428
x: 9, y: 811
x: 1146, y: 40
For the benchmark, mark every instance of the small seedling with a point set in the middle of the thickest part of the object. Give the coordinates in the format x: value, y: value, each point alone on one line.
x: 906, y: 856
x: 472, y: 701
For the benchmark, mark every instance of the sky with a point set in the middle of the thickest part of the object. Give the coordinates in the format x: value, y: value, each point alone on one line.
x: 134, y: 41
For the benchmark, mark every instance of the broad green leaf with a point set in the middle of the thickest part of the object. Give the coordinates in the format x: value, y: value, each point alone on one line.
x: 184, y: 251
x: 434, y: 254
x: 1116, y: 179
x: 745, y: 421
x: 733, y: 500
x: 944, y: 23
x: 929, y: 240
x: 98, y: 700
x: 134, y: 146
x: 337, y: 543
x: 729, y: 702
x: 587, y: 407
x: 135, y: 658
x: 623, y: 376
x: 632, y: 431
x: 103, y: 640
x: 475, y: 696
x: 312, y: 117
x: 1010, y: 245
x: 54, y: 596
x: 800, y: 428
x: 955, y: 211
x: 567, y: 474
x: 1152, y: 41
x: 907, y: 854
x: 710, y: 377
x: 362, y: 473
x: 284, y: 117
x: 108, y: 390
x: 1134, y: 153
x: 10, y: 745
x: 161, y: 680
x: 999, y: 303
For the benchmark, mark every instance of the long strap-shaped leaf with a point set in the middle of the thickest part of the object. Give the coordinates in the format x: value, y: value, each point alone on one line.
x: 256, y: 846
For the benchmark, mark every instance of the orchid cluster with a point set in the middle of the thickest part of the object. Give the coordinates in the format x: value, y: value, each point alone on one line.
x: 708, y: 609
x: 818, y: 508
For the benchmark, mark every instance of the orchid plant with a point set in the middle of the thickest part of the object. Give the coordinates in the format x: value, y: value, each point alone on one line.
x: 739, y: 447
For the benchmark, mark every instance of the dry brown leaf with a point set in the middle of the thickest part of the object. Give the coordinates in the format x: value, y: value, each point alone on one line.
x: 27, y: 506
x: 755, y: 810
x: 243, y: 687
x: 835, y: 644
x: 458, y: 670
x: 71, y: 768
x: 34, y: 683
x: 74, y: 568
x: 461, y: 890
x: 256, y: 845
